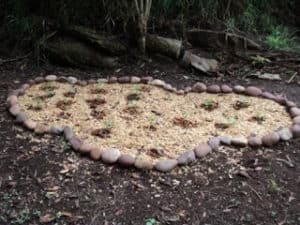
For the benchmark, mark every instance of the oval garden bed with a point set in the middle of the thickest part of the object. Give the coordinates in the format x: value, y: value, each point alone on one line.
x: 150, y: 124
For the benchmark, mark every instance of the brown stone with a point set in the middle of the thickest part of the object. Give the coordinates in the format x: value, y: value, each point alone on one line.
x: 30, y: 124
x: 41, y: 129
x: 12, y: 100
x: 270, y: 139
x: 51, y: 78
x: 95, y: 153
x: 296, y: 130
x: 158, y: 82
x: 253, y: 91
x: 112, y: 80
x: 124, y: 79
x: 166, y: 165
x: 86, y: 148
x: 213, y: 89
x: 68, y: 133
x: 21, y: 117
x: 268, y: 95
x: 126, y: 160
x: 254, y: 141
x: 226, y: 88
x: 199, y: 87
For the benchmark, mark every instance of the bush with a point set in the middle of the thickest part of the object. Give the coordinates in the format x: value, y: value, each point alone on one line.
x: 280, y: 39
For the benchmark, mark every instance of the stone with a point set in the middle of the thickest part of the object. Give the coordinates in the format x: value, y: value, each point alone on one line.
x: 253, y: 91
x: 93, y: 81
x: 135, y: 80
x: 146, y: 79
x: 187, y: 89
x: 199, y: 87
x: 41, y: 129
x: 268, y: 95
x: 110, y: 155
x: 86, y: 148
x: 62, y: 79
x: 31, y: 82
x: 296, y: 120
x: 75, y: 143
x: 19, y: 92
x: 180, y: 92
x: 14, y: 110
x: 25, y: 86
x: 270, y: 139
x: 294, y: 111
x: 239, y: 141
x: 285, y: 134
x: 68, y: 133
x: 169, y: 87
x: 126, y: 160
x: 82, y: 83
x: 166, y: 165
x: 225, y: 140
x: 72, y: 80
x: 95, y: 153
x: 280, y: 99
x: 51, y: 78
x: 290, y: 104
x: 112, y: 80
x: 39, y: 79
x: 202, y: 150
x: 186, y: 157
x: 102, y: 80
x: 296, y: 130
x: 214, y: 143
x: 21, y: 117
x: 157, y: 82
x: 55, y: 130
x: 254, y: 141
x: 142, y: 162
x: 239, y: 89
x: 124, y: 79
x: 213, y: 89
x: 226, y: 89
x: 30, y: 124
x: 12, y: 100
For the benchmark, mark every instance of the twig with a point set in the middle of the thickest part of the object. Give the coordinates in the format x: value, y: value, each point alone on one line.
x: 255, y: 192
x: 15, y: 59
x: 292, y: 77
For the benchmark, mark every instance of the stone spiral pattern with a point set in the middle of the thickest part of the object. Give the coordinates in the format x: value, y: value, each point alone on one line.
x: 114, y: 155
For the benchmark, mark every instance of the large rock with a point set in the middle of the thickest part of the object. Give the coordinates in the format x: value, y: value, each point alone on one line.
x: 186, y: 157
x: 166, y: 165
x: 285, y: 134
x: 202, y: 150
x: 271, y: 139
x: 253, y: 91
x: 110, y: 155
x: 199, y: 87
x: 126, y: 160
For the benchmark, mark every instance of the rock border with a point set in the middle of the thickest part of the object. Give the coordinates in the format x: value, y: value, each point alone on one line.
x: 114, y: 155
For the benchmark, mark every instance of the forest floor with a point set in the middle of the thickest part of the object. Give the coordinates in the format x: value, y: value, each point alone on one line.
x: 43, y: 180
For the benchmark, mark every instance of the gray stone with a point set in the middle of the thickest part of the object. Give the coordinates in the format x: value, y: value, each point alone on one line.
x: 41, y: 129
x: 214, y: 143
x: 187, y: 89
x: 239, y: 89
x: 239, y: 141
x: 199, y: 87
x: 290, y: 104
x: 285, y: 134
x: 280, y: 99
x: 75, y: 143
x: 213, y: 89
x: 93, y: 81
x: 25, y: 86
x: 180, y: 92
x: 294, y: 111
x: 55, y: 130
x: 157, y: 82
x: 51, y: 78
x: 296, y: 119
x: 202, y: 150
x: 68, y: 133
x: 270, y: 139
x: 21, y: 117
x: 296, y: 130
x: 110, y: 155
x: 31, y: 82
x: 226, y: 89
x: 86, y: 148
x: 124, y: 79
x: 102, y: 80
x: 12, y: 100
x: 112, y: 80
x: 186, y: 157
x: 253, y: 91
x: 126, y: 160
x: 30, y: 124
x: 146, y: 79
x: 169, y: 87
x: 268, y: 95
x: 72, y: 80
x: 166, y: 165
x: 39, y: 79
x: 95, y: 153
x: 254, y: 141
x: 225, y: 140
x: 143, y: 163
x: 14, y: 110
x: 135, y: 80
x: 82, y: 82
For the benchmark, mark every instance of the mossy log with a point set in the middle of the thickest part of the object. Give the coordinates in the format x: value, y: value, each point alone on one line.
x: 108, y: 44
x: 220, y: 39
x: 165, y: 46
x: 76, y: 53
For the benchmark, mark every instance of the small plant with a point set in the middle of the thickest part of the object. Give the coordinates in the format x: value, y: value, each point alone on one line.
x: 105, y: 131
x: 99, y: 89
x: 71, y: 93
x: 99, y: 115
x: 151, y: 221
x: 280, y: 39
x: 64, y: 104
x: 242, y: 103
x: 274, y: 186
x: 184, y: 123
x: 132, y: 107
x: 259, y: 60
x: 210, y: 104
x: 152, y: 122
x: 259, y: 118
x: 108, y: 124
x: 48, y: 86
x: 229, y: 122
x: 37, y: 104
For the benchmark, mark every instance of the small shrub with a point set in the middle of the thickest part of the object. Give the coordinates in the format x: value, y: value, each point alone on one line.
x: 280, y: 39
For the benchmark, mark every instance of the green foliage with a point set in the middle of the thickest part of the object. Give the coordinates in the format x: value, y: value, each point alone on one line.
x: 259, y: 60
x: 280, y: 39
x: 151, y: 221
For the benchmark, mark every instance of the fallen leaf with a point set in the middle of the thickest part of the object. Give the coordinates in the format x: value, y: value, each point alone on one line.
x: 47, y: 218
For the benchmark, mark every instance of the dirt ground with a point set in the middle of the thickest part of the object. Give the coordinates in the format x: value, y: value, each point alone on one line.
x: 43, y: 180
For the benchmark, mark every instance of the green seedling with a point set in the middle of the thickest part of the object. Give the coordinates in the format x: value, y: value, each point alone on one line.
x: 108, y: 124
x: 241, y: 103
x: 210, y: 104
x: 259, y: 118
x: 259, y: 60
